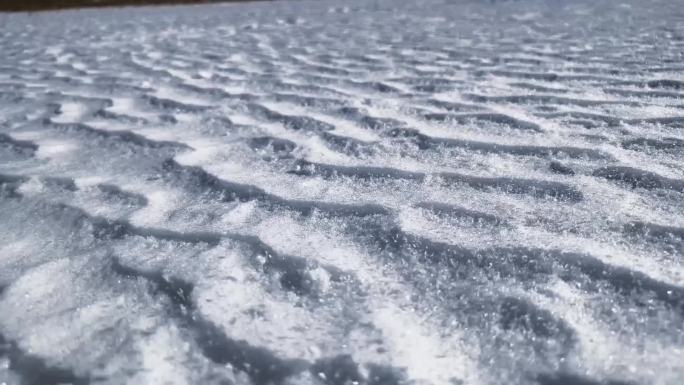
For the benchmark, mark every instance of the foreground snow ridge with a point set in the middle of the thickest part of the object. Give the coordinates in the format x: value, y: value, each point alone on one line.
x: 375, y: 192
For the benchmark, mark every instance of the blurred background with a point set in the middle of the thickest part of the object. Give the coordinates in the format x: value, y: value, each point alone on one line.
x: 39, y: 5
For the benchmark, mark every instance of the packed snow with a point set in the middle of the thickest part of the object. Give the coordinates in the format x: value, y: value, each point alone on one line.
x: 372, y: 192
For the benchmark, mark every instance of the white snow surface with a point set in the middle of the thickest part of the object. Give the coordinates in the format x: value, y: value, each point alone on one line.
x: 331, y: 193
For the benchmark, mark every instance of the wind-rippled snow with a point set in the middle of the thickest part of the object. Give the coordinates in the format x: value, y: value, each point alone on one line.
x: 372, y: 192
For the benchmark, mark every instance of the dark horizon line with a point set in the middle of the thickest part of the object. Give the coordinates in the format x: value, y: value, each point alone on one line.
x: 54, y: 5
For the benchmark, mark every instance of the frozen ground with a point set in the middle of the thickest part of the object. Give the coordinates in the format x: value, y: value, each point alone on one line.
x: 381, y: 192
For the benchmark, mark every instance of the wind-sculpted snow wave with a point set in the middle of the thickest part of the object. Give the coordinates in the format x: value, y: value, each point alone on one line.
x: 371, y: 192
